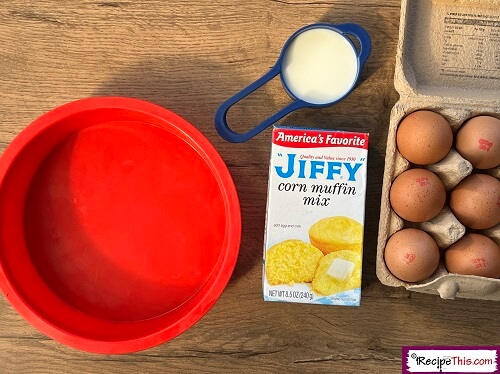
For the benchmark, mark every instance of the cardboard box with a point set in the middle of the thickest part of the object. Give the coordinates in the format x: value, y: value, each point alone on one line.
x: 315, y: 216
x: 448, y: 62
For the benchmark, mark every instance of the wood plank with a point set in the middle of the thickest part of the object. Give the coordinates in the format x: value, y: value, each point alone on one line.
x: 189, y: 57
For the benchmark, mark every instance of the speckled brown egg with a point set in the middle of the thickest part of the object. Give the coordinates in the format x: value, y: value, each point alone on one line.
x: 478, y: 141
x: 417, y: 195
x: 474, y: 254
x: 475, y: 201
x: 424, y: 137
x: 411, y: 255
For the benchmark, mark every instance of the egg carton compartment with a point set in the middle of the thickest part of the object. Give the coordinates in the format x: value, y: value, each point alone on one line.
x: 445, y: 228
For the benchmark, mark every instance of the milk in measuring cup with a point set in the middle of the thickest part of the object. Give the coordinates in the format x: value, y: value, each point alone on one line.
x: 320, y: 66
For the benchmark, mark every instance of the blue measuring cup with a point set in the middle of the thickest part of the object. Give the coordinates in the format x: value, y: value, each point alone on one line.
x: 318, y: 65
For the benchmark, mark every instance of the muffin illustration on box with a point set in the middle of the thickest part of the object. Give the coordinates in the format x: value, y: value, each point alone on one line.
x: 341, y: 240
x: 292, y: 261
x: 337, y: 233
x: 315, y: 213
x: 337, y: 272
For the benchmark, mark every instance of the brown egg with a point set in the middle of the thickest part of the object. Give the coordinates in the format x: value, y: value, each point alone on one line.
x: 478, y: 141
x: 411, y: 255
x: 474, y: 254
x: 475, y: 201
x: 417, y: 195
x: 424, y: 137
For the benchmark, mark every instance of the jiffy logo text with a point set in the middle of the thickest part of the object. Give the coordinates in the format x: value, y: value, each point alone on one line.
x: 311, y: 169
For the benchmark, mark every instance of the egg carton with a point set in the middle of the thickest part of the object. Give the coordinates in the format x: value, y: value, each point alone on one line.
x: 425, y: 81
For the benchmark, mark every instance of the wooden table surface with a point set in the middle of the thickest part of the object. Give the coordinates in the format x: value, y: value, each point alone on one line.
x: 189, y: 56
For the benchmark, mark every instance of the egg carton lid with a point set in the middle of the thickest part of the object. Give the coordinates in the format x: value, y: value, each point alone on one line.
x: 448, y: 51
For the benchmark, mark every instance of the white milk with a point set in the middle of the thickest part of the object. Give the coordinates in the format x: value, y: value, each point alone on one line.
x: 319, y: 66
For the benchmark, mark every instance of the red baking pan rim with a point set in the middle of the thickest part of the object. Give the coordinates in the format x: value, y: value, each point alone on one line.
x: 119, y: 224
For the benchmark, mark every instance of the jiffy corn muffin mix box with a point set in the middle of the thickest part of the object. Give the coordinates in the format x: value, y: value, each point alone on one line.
x: 313, y: 244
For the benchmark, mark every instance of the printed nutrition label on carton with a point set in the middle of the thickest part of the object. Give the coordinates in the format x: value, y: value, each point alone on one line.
x: 315, y: 216
x: 471, y: 44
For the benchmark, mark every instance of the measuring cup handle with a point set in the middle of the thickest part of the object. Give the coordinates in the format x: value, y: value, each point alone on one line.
x: 220, y: 116
x: 362, y: 35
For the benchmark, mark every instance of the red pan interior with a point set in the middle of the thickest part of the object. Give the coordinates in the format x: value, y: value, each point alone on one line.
x: 119, y: 225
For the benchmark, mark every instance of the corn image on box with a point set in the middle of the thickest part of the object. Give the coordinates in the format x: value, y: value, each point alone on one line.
x: 313, y: 245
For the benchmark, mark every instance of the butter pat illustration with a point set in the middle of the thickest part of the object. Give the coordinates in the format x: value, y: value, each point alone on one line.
x: 326, y: 284
x: 315, y: 216
x: 340, y: 269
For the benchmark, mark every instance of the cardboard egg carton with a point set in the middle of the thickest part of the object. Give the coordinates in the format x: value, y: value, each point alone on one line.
x: 446, y: 62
